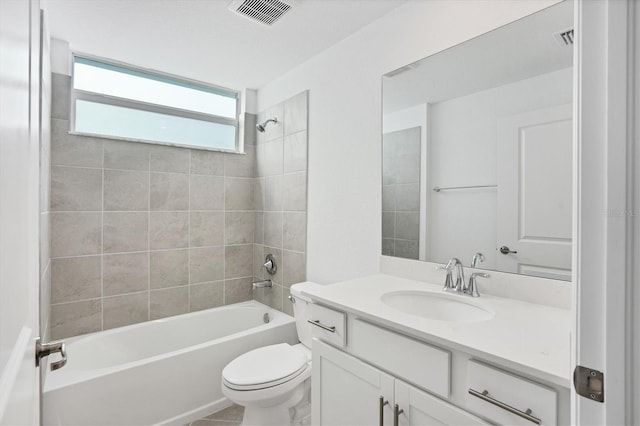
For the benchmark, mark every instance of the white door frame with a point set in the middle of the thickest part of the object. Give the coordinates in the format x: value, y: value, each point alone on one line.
x: 603, y: 206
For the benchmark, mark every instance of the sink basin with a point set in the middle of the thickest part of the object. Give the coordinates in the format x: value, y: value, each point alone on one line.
x: 437, y: 306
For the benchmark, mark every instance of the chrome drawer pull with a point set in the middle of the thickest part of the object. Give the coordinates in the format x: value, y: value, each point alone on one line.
x: 524, y: 414
x: 322, y: 326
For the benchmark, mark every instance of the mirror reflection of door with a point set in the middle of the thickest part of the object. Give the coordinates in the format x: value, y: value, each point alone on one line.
x: 534, y: 193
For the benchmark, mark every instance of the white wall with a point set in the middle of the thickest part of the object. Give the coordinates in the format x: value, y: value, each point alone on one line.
x: 345, y: 120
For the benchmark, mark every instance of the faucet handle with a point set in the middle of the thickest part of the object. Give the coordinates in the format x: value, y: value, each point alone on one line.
x: 448, y: 282
x: 472, y: 288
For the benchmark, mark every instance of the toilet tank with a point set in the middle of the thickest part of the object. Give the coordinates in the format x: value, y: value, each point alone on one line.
x: 302, y: 311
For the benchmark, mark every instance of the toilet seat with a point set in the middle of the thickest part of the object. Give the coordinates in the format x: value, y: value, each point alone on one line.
x: 264, y: 367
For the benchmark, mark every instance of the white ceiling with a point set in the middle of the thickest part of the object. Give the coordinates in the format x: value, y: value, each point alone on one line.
x: 514, y: 52
x: 203, y: 40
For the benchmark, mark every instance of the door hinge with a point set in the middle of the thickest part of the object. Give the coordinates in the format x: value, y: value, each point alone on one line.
x: 589, y: 383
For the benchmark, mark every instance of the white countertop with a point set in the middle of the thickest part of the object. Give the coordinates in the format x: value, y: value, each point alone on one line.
x: 533, y: 339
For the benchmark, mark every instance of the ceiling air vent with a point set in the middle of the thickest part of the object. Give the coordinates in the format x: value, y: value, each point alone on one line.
x: 564, y: 38
x: 264, y: 11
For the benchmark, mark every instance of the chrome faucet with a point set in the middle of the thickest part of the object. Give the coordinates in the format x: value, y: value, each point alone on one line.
x: 460, y: 285
x: 472, y: 288
x: 477, y: 257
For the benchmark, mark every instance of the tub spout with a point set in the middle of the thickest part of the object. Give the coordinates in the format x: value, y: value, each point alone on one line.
x: 262, y: 284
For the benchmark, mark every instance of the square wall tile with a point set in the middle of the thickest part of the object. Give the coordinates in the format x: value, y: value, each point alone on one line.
x: 73, y: 150
x: 388, y: 247
x: 76, y: 234
x: 273, y: 193
x: 238, y: 290
x: 206, y: 296
x: 273, y: 229
x: 408, y: 249
x: 207, y: 193
x: 75, y: 278
x: 168, y: 230
x: 119, y: 311
x: 294, y: 227
x: 168, y: 268
x: 238, y: 261
x: 168, y: 159
x: 295, y: 152
x: 241, y: 165
x: 207, y: 162
x: 295, y: 114
x: 408, y: 197
x: 126, y: 155
x: 76, y: 189
x: 206, y: 264
x: 407, y: 225
x: 238, y: 194
x: 125, y: 273
x: 269, y: 157
x: 126, y: 190
x: 295, y: 267
x: 169, y: 302
x: 206, y: 229
x: 295, y: 192
x: 76, y: 318
x: 125, y: 231
x: 239, y: 227
x: 169, y: 191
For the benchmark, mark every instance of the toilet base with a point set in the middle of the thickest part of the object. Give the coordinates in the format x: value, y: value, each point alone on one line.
x: 255, y: 415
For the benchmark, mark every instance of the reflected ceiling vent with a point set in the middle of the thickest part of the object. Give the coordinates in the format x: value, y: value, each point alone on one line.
x: 564, y: 38
x: 264, y: 11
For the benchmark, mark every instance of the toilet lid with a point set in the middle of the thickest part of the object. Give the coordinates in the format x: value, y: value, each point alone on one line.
x: 264, y: 367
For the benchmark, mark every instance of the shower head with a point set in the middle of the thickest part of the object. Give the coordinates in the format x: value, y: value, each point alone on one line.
x: 262, y: 126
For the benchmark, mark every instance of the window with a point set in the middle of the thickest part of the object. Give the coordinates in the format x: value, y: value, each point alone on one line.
x: 122, y: 102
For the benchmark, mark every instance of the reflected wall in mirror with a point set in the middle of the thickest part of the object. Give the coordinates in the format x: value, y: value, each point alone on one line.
x: 478, y: 151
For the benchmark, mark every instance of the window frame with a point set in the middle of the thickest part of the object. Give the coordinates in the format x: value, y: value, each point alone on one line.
x: 83, y: 95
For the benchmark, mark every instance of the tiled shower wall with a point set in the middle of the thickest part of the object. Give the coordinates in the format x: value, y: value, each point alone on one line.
x: 142, y: 231
x: 281, y: 199
x: 401, y: 193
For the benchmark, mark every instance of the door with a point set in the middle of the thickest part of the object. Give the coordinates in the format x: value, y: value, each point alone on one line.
x: 535, y: 193
x: 19, y: 210
x: 346, y: 391
x: 416, y: 407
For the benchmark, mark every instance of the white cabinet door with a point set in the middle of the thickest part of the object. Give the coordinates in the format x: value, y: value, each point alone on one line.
x: 346, y: 391
x: 418, y: 408
x: 535, y: 157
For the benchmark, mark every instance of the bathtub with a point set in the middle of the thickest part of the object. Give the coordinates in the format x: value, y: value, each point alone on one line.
x: 165, y: 371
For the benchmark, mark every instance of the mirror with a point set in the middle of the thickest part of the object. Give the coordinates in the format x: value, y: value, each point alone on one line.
x: 477, y: 150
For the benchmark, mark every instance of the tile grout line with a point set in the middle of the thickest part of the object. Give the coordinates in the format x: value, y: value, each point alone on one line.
x: 189, y: 231
x: 149, y: 237
x: 102, y: 246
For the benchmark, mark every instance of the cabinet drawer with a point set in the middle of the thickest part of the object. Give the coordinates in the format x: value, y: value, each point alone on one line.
x: 505, y: 398
x: 329, y: 325
x: 402, y: 356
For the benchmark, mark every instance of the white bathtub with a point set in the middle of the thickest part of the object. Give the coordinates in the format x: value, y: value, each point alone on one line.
x: 159, y: 372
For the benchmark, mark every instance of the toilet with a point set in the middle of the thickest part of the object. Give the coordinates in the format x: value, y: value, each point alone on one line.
x: 271, y: 380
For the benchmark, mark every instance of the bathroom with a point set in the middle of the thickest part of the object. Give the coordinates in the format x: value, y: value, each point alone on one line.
x: 317, y: 210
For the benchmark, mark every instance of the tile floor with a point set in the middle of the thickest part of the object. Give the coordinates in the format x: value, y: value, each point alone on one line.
x: 230, y: 416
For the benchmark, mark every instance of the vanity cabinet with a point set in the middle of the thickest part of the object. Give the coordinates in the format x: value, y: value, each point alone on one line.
x: 368, y: 374
x: 348, y: 391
